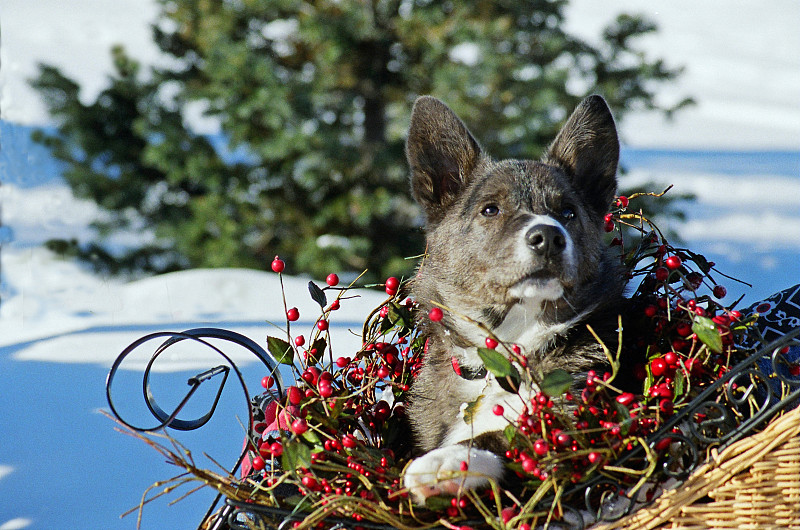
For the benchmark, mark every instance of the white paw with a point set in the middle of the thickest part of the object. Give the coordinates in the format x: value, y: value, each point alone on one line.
x: 439, y: 472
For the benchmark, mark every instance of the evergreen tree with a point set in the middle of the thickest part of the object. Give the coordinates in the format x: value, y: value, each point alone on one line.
x: 313, y: 99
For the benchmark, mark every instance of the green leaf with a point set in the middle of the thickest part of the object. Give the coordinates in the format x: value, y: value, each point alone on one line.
x: 680, y: 383
x: 556, y: 382
x: 510, y: 432
x: 317, y: 294
x: 399, y: 315
x: 623, y: 418
x: 496, y: 362
x: 320, y: 345
x: 507, y: 376
x: 707, y: 332
x: 281, y: 350
x: 648, y: 382
x: 701, y: 262
x: 311, y: 437
x: 510, y: 383
x: 295, y: 455
x: 296, y: 500
x: 471, y: 409
x: 437, y: 504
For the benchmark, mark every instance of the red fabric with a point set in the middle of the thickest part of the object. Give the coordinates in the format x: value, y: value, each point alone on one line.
x: 274, y: 422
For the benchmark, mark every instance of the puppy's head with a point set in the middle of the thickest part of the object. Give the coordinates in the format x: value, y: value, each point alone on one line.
x: 504, y: 232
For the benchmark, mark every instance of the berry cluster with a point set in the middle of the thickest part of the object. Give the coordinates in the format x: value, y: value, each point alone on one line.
x: 340, y: 425
x: 342, y: 443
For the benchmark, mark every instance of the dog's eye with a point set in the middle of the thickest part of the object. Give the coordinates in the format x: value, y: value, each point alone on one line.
x: 567, y: 213
x: 490, y: 210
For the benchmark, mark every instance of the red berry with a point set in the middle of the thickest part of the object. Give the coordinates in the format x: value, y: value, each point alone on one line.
x: 309, y: 482
x: 292, y: 314
x: 650, y: 311
x: 322, y: 324
x: 258, y: 463
x: 564, y: 439
x: 299, y: 340
x: 332, y: 280
x: 595, y: 457
x: 694, y: 366
x: 325, y: 388
x: 299, y: 426
x: 666, y: 406
x: 684, y: 329
x: 540, y: 447
x: 295, y: 396
x: 625, y: 398
x: 464, y: 466
x: 341, y: 362
x: 278, y: 264
x: 529, y: 465
x: 498, y: 410
x: 491, y: 343
x: 662, y: 273
x: 623, y: 201
x: 267, y: 381
x: 671, y: 358
x: 392, y: 284
x: 310, y: 375
x: 334, y: 305
x: 276, y: 449
x: 658, y: 367
x: 435, y: 314
x: 349, y: 441
x: 608, y: 226
x: 720, y: 291
x: 673, y: 262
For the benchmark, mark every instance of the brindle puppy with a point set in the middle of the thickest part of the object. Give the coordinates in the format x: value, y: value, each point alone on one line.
x: 518, y: 246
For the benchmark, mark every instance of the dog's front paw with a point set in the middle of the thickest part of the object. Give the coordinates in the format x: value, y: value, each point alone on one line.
x: 443, y: 472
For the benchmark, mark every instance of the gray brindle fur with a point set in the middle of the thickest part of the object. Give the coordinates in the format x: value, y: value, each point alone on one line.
x: 518, y: 246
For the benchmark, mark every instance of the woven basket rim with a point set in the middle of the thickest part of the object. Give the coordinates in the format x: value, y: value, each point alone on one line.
x: 719, y: 468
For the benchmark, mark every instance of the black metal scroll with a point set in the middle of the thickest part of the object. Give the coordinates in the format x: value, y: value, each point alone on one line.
x: 171, y: 420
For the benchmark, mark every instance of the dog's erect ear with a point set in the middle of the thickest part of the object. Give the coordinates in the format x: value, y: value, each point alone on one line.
x: 441, y: 154
x: 587, y: 147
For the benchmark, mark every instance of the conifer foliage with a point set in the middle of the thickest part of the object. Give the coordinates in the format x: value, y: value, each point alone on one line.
x: 313, y: 99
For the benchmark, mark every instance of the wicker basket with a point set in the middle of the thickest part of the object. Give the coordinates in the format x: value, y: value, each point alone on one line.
x: 753, y: 484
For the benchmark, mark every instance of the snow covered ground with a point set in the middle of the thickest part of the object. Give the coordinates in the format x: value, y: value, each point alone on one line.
x: 62, y: 465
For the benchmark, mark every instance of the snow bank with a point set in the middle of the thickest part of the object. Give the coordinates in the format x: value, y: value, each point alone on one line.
x: 57, y: 311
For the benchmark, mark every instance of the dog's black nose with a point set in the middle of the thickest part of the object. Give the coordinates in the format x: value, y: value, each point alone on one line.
x: 546, y: 240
